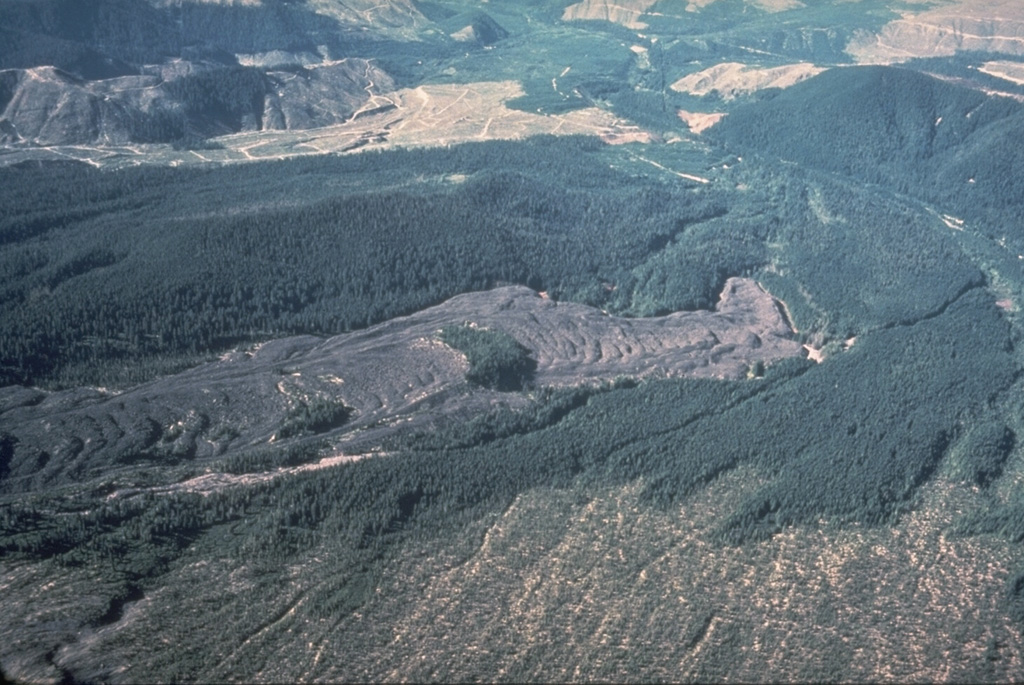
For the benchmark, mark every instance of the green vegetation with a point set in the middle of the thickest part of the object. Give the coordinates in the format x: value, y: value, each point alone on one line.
x: 496, y: 360
x: 982, y: 453
x: 669, y: 529
x: 905, y: 131
x: 308, y: 246
x: 333, y: 244
x: 318, y: 416
x: 850, y: 441
x: 856, y: 455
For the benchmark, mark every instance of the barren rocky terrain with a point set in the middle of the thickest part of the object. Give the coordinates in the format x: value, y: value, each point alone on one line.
x: 46, y: 106
x: 630, y: 13
x: 425, y: 116
x: 626, y: 13
x: 730, y: 79
x: 941, y: 29
x: 395, y: 374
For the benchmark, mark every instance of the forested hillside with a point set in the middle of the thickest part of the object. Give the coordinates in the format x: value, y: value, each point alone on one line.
x: 906, y: 131
x: 68, y: 34
x: 182, y: 283
x: 339, y: 243
x: 368, y: 238
x: 846, y: 442
x: 752, y: 411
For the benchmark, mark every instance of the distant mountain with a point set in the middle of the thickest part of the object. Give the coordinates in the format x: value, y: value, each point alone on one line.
x: 944, y: 28
x: 181, y: 101
x: 112, y: 72
x: 67, y: 33
x: 476, y: 27
x: 907, y: 130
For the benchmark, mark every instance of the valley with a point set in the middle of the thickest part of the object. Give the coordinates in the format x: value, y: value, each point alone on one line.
x: 511, y: 341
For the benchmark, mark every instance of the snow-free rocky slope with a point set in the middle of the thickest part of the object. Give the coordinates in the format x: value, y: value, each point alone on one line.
x: 395, y: 374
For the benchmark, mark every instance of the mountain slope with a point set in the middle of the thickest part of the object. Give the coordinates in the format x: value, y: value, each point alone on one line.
x: 113, y: 72
x: 743, y: 405
x: 918, y: 134
x: 45, y: 106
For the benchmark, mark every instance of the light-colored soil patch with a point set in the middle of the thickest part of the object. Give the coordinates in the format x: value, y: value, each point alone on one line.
x: 966, y: 25
x: 953, y: 222
x: 662, y: 167
x: 732, y: 79
x: 437, y: 115
x: 700, y: 121
x: 624, y: 12
x: 427, y: 116
x: 815, y: 355
x: 1008, y: 71
x: 212, y: 482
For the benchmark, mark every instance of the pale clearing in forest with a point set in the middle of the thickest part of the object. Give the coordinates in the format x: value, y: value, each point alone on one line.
x: 700, y: 121
x: 985, y: 25
x: 732, y: 79
x: 432, y: 115
x: 1008, y: 71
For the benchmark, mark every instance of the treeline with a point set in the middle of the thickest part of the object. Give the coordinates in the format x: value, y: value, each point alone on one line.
x: 227, y: 95
x: 154, y: 264
x: 158, y: 261
x: 496, y: 360
x: 850, y: 440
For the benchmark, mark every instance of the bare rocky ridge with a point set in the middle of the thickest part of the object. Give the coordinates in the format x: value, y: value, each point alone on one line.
x: 983, y: 25
x: 45, y: 106
x: 731, y: 79
x: 426, y: 116
x: 324, y: 94
x: 625, y: 12
x: 394, y: 373
x: 630, y: 13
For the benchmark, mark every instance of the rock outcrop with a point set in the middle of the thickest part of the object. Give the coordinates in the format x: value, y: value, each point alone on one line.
x: 45, y: 106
